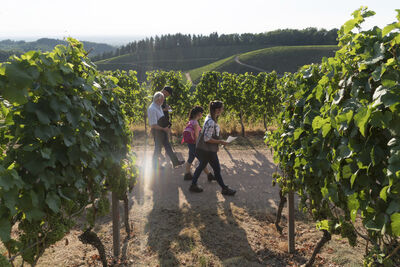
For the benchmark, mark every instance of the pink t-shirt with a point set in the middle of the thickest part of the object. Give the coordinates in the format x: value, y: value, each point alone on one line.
x: 195, y: 124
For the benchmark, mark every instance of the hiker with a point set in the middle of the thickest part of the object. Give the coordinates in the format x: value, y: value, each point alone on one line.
x: 207, y: 149
x: 167, y: 91
x: 160, y: 130
x: 190, y: 135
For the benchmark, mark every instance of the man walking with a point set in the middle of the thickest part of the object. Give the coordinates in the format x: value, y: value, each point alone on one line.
x: 160, y: 133
x: 167, y: 91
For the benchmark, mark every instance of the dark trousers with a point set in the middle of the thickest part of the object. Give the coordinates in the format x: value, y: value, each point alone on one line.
x: 192, y: 153
x: 160, y: 140
x: 211, y: 158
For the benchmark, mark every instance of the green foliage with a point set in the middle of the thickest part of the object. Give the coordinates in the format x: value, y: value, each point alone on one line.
x: 181, y: 100
x: 4, y: 261
x: 244, y: 95
x: 64, y: 144
x: 337, y: 142
x: 134, y: 97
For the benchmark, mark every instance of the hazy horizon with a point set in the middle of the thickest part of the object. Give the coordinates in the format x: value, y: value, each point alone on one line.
x: 111, y: 40
x: 122, y: 21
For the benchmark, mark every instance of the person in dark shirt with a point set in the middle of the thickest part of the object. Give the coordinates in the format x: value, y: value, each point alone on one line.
x: 167, y: 91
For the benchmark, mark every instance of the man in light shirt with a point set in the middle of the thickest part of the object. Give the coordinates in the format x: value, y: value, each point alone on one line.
x: 160, y: 134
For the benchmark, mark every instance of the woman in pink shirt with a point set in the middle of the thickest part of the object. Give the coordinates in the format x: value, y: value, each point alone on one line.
x: 190, y: 135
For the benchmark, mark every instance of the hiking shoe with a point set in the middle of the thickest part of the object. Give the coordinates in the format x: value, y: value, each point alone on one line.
x: 211, y: 177
x: 179, y: 163
x: 195, y: 188
x: 188, y: 176
x: 227, y: 191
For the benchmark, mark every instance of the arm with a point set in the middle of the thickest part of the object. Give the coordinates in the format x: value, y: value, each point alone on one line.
x: 208, y: 136
x: 151, y: 114
x: 196, y: 131
x: 166, y: 108
x: 215, y: 141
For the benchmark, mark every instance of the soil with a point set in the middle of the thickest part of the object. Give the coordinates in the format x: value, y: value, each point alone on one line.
x: 174, y: 227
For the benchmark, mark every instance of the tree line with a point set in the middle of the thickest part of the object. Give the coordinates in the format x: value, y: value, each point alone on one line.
x: 308, y: 36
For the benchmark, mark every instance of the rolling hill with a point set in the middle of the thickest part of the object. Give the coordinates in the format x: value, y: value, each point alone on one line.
x: 280, y: 58
x: 236, y: 59
x: 184, y: 58
x: 47, y: 44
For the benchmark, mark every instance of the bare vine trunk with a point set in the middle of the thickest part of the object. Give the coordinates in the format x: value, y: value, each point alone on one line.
x: 126, y: 215
x: 325, y: 238
x: 91, y: 238
x: 279, y: 212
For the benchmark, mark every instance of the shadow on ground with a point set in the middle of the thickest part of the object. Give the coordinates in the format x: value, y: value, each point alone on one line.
x: 200, y: 229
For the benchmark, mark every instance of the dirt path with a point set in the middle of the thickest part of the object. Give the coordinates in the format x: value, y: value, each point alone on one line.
x: 249, y: 66
x: 173, y: 227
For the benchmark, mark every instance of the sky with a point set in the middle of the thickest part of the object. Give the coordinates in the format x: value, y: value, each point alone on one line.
x: 119, y: 19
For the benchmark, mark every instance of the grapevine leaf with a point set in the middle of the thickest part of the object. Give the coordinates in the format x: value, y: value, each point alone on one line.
x: 53, y: 201
x: 5, y: 229
x: 390, y: 28
x: 361, y: 119
x: 395, y: 218
x: 42, y: 117
x: 383, y: 193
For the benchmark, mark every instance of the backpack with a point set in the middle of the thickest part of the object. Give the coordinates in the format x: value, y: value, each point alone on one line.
x: 188, y: 134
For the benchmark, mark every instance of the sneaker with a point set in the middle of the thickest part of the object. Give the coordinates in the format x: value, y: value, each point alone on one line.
x: 227, y: 191
x: 195, y: 188
x: 211, y: 177
x: 188, y: 176
x: 179, y: 163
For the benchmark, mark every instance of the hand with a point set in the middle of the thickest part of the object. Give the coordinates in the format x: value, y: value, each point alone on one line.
x: 167, y: 129
x: 222, y: 142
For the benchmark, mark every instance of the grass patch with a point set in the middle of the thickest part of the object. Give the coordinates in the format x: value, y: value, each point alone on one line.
x: 280, y: 58
x: 255, y: 132
x: 182, y: 59
x: 196, y: 74
x: 287, y: 58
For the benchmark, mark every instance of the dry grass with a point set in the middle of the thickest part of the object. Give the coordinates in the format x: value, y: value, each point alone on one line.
x: 255, y: 131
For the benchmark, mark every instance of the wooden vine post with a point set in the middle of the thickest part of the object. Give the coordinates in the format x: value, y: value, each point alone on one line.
x: 115, y: 220
x: 291, y: 226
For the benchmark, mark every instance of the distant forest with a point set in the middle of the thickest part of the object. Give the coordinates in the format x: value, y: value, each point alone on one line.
x: 308, y: 36
x: 4, y: 55
x: 11, y: 47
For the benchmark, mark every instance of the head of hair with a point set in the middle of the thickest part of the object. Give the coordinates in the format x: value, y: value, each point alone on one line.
x: 214, y: 105
x: 157, y: 96
x: 196, y: 110
x: 167, y: 89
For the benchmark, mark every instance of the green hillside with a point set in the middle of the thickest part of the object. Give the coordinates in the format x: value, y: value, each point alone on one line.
x: 184, y: 58
x: 280, y: 58
x: 48, y: 44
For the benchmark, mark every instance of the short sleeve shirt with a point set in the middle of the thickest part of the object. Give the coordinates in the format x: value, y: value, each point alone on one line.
x: 154, y: 113
x: 194, y: 123
x: 210, y: 127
